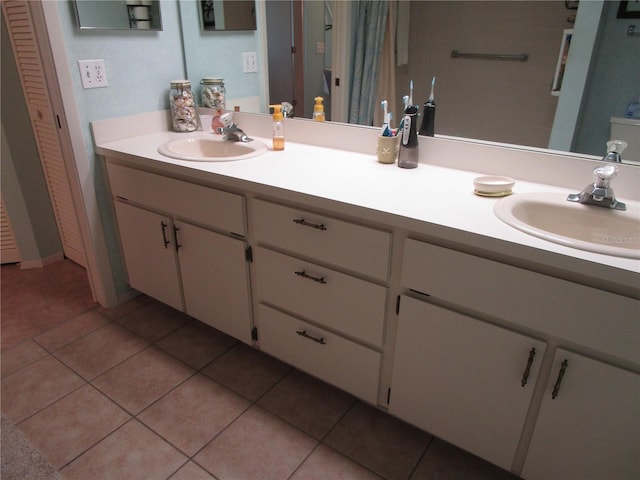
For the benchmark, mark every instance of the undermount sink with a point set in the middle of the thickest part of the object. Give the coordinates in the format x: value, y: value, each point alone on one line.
x: 551, y: 217
x: 210, y: 148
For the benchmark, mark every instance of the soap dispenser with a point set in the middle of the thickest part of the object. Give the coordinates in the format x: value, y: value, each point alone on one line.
x: 318, y: 110
x: 408, y: 157
x: 278, y: 127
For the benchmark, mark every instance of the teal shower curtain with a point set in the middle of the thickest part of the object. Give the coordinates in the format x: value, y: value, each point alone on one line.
x: 370, y: 27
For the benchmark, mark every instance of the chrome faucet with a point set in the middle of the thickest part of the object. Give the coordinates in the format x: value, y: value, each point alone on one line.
x: 235, y: 134
x: 223, y: 124
x: 614, y: 151
x: 600, y: 192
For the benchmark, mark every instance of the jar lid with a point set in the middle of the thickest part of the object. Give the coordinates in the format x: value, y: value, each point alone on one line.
x: 180, y: 83
x: 211, y: 80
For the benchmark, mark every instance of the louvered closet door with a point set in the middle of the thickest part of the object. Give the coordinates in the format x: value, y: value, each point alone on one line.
x: 8, y: 249
x: 43, y: 121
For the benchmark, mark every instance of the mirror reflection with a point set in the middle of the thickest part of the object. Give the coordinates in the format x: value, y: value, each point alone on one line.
x: 227, y: 14
x: 118, y: 14
x: 477, y: 98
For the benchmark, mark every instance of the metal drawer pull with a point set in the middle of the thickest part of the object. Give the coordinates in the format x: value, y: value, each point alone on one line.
x: 303, y: 333
x: 556, y: 387
x: 304, y: 274
x: 527, y: 370
x: 302, y: 221
x: 164, y: 234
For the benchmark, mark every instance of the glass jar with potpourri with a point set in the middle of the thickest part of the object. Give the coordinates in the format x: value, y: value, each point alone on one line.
x: 183, y: 106
x: 213, y: 92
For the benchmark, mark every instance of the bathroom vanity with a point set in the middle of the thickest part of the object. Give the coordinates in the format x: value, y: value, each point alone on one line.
x: 400, y: 287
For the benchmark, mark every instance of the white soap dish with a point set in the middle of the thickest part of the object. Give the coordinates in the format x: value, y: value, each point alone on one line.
x: 493, y: 186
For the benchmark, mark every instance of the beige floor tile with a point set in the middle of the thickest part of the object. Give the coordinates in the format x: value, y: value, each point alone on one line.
x: 100, y: 350
x: 38, y: 298
x: 197, y: 344
x: 36, y: 386
x: 247, y: 371
x: 257, y: 446
x: 132, y: 452
x: 191, y: 471
x: 70, y: 330
x: 310, y: 404
x: 21, y: 355
x: 153, y: 320
x: 73, y: 424
x: 327, y: 464
x: 193, y: 413
x: 380, y: 442
x: 142, y: 379
x: 124, y: 308
x: 444, y: 461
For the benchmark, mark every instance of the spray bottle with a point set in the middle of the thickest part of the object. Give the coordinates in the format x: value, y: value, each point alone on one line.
x: 278, y: 127
x: 429, y: 114
x: 318, y: 110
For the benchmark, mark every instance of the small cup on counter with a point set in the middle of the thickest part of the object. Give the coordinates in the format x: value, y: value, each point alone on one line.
x: 388, y: 148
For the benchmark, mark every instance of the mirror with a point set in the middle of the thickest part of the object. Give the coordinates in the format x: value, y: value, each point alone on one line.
x: 118, y: 14
x: 227, y: 15
x: 606, y: 94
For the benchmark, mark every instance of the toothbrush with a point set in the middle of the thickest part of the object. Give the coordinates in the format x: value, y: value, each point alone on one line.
x: 431, y: 97
x: 385, y: 123
x: 411, y: 93
x: 387, y: 131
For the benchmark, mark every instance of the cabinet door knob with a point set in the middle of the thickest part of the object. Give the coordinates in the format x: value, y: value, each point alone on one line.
x: 164, y: 233
x: 527, y: 370
x: 304, y: 274
x: 302, y: 221
x: 556, y: 387
x: 303, y: 333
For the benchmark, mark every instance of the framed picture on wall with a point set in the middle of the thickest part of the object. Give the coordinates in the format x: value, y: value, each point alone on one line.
x: 630, y: 9
x: 562, y: 61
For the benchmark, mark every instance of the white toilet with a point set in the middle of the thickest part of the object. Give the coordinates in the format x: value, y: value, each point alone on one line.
x: 627, y: 129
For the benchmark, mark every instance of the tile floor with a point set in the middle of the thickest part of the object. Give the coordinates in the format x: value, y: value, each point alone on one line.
x: 142, y: 391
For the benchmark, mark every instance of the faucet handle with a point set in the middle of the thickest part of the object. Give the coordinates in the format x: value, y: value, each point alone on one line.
x: 603, y: 175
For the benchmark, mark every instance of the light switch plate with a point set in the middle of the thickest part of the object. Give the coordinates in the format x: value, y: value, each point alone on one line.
x: 93, y: 73
x: 249, y: 62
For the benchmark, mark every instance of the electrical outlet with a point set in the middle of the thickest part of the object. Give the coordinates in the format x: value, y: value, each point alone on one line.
x: 249, y: 62
x: 93, y: 73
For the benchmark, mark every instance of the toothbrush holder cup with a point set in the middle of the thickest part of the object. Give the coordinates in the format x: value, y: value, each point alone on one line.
x: 388, y: 148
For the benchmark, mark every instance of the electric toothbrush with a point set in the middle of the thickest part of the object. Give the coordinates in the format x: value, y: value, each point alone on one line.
x: 429, y: 114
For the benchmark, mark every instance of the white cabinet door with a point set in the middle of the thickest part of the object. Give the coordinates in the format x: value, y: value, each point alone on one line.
x: 215, y: 279
x: 149, y: 252
x: 591, y: 430
x: 461, y: 379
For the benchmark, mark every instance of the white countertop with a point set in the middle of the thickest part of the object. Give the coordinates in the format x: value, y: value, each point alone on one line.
x: 432, y: 201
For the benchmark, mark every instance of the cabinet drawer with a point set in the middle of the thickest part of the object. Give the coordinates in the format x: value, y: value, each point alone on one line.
x: 578, y: 313
x: 338, y: 361
x: 340, y: 243
x: 341, y: 302
x: 183, y: 200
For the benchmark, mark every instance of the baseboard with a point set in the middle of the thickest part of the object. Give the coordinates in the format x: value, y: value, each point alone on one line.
x: 42, y: 262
